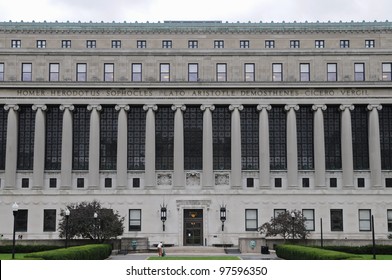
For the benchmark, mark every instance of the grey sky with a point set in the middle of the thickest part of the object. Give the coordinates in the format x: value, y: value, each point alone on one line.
x: 225, y: 10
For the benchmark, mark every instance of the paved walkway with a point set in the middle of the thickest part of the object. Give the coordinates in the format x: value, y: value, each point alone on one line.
x: 144, y: 256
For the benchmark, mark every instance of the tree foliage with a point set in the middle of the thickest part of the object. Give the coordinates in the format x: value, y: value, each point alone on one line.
x: 286, y: 226
x: 82, y: 224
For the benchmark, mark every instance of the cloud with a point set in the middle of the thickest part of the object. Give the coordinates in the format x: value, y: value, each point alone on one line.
x: 225, y: 10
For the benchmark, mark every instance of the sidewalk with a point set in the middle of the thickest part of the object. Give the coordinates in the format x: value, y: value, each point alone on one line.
x: 144, y: 256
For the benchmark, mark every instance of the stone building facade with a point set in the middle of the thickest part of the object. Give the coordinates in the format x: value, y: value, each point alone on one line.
x: 198, y: 119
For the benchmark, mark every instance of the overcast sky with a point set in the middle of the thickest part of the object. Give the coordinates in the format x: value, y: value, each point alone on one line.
x: 225, y: 10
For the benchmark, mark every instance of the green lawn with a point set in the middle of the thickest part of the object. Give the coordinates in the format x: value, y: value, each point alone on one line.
x: 9, y: 256
x: 229, y: 258
x: 378, y: 257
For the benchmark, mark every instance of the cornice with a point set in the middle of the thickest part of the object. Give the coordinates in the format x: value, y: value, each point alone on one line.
x: 192, y: 27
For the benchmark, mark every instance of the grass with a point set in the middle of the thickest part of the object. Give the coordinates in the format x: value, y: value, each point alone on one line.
x: 180, y: 258
x: 378, y: 257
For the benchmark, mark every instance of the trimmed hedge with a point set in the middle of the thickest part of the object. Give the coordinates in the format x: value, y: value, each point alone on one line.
x: 297, y: 252
x: 86, y: 252
x: 368, y: 249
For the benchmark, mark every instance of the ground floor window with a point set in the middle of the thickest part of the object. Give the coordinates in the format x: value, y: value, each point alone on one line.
x: 50, y: 220
x: 309, y: 216
x: 389, y: 219
x: 336, y: 220
x: 251, y: 220
x: 365, y: 219
x: 135, y: 220
x: 21, y: 220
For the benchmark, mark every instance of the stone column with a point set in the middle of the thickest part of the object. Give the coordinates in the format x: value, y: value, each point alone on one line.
x: 319, y: 145
x: 67, y: 147
x: 149, y: 174
x: 347, y: 146
x: 39, y: 146
x: 292, y: 148
x: 178, y: 176
x: 122, y: 146
x: 264, y: 149
x: 11, y: 155
x: 208, y: 156
x: 236, y: 160
x: 94, y: 147
x: 374, y: 146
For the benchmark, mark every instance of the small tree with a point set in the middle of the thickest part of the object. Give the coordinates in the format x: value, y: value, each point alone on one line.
x: 82, y: 224
x: 286, y: 225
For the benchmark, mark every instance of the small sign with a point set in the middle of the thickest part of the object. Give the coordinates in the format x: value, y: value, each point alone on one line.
x: 252, y: 244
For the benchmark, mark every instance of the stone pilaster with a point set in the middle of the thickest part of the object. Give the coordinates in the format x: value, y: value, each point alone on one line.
x: 39, y: 146
x: 319, y: 145
x: 264, y: 149
x: 292, y: 148
x: 66, y: 146
x: 94, y: 147
x: 149, y: 176
x: 374, y: 146
x: 179, y: 173
x: 347, y: 146
x: 122, y: 146
x: 236, y: 160
x: 208, y: 157
x: 11, y: 156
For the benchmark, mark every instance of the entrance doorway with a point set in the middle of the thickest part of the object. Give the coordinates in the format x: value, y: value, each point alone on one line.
x: 193, y: 227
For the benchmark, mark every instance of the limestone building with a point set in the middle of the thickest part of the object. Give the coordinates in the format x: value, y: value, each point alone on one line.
x: 197, y: 121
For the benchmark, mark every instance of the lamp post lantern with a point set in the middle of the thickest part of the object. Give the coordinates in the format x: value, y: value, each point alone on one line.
x: 293, y: 220
x: 223, y: 216
x: 67, y: 213
x: 163, y: 216
x: 15, y: 208
x: 321, y: 233
x: 95, y: 226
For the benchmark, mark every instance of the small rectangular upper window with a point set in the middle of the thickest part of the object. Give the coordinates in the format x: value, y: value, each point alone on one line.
x: 370, y: 44
x: 41, y: 44
x: 244, y: 44
x: 193, y: 44
x: 319, y: 44
x: 219, y: 44
x: 294, y: 44
x: 16, y: 44
x: 91, y: 44
x: 116, y: 44
x: 66, y: 44
x: 141, y: 44
x: 269, y: 44
x: 344, y: 44
x: 167, y: 44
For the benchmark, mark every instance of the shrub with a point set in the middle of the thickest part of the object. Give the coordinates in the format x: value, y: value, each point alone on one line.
x: 368, y: 249
x: 296, y: 252
x: 86, y: 252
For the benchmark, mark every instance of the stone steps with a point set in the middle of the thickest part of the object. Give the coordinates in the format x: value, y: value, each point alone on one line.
x: 194, y: 250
